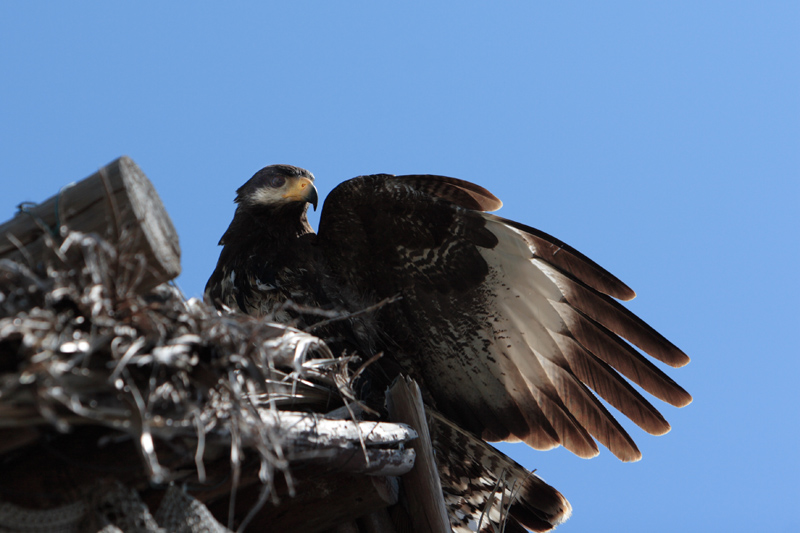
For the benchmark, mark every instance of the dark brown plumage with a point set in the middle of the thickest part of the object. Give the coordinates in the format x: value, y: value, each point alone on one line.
x: 505, y: 327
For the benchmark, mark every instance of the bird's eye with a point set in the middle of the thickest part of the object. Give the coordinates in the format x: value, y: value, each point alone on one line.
x: 277, y: 181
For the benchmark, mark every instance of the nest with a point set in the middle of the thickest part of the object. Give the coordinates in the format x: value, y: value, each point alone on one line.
x: 90, y: 370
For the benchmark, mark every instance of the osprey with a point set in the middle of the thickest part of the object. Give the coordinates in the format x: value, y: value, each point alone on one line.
x: 507, y: 329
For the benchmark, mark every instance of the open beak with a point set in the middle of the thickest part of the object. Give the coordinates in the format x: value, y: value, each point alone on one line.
x: 303, y: 189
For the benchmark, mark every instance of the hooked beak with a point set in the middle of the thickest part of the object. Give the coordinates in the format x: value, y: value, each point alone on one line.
x: 303, y: 189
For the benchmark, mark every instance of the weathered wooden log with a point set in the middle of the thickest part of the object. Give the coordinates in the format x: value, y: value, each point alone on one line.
x: 421, y: 485
x: 118, y: 203
x: 373, y: 448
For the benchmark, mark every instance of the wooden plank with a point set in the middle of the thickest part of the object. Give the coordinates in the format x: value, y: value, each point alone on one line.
x: 118, y: 203
x: 421, y: 485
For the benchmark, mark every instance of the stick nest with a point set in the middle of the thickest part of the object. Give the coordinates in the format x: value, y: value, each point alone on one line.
x: 80, y: 349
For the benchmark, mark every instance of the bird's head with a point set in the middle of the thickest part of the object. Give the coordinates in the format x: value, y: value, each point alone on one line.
x: 278, y: 186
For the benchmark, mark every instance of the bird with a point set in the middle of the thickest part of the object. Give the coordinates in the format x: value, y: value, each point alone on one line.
x: 512, y: 334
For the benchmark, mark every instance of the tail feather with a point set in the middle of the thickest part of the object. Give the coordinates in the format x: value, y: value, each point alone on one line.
x: 487, y: 491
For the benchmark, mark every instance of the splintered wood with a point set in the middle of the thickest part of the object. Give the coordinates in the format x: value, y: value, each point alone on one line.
x: 422, y: 486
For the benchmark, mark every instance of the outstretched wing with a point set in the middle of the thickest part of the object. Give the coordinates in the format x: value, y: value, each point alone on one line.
x: 506, y: 327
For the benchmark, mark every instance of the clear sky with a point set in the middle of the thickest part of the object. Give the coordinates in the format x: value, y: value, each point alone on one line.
x: 661, y: 139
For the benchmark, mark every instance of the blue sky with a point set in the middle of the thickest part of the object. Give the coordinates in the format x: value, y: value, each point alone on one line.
x: 661, y: 140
